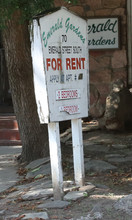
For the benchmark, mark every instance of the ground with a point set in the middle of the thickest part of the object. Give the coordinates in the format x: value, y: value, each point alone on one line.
x: 112, y: 181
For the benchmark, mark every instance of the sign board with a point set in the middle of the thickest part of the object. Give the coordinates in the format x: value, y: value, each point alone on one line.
x: 103, y: 33
x: 60, y: 65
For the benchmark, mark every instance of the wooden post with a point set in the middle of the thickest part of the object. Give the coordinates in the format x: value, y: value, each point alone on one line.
x: 55, y: 157
x: 78, y: 156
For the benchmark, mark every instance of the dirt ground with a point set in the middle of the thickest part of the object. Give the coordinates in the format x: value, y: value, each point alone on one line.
x: 110, y: 186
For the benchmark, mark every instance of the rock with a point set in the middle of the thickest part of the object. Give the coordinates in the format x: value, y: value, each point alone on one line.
x: 124, y: 204
x: 68, y: 183
x: 70, y: 189
x: 2, y: 212
x: 96, y: 212
x: 128, y: 159
x: 120, y: 160
x: 41, y: 170
x: 96, y: 215
x: 98, y: 148
x: 74, y: 195
x: 87, y: 159
x: 69, y: 186
x: 13, y: 217
x: 43, y: 183
x: 58, y: 204
x: 14, y: 195
x: 118, y: 107
x: 101, y: 186
x: 37, y: 194
x: 27, y: 216
x: 117, y: 160
x: 119, y: 146
x: 37, y: 163
x: 88, y: 188
x: 99, y: 166
x: 109, y: 156
x: 39, y: 215
x: 96, y: 108
x: 118, y: 85
x: 129, y: 153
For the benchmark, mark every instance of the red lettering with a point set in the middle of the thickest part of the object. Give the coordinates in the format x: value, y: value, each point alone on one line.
x: 68, y: 93
x: 53, y: 64
x: 48, y: 63
x: 59, y: 62
x: 73, y: 63
x: 62, y: 94
x: 68, y: 64
x: 83, y: 59
x: 78, y: 61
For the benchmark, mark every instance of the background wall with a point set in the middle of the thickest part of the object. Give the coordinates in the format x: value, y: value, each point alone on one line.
x: 105, y: 66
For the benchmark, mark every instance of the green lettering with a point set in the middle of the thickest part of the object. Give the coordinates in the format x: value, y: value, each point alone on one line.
x: 94, y: 42
x: 83, y: 40
x: 79, y: 34
x: 108, y: 42
x: 67, y: 24
x: 71, y: 26
x: 107, y: 25
x: 44, y: 39
x: 103, y: 42
x: 54, y: 28
x: 61, y: 25
x: 112, y: 27
x: 113, y: 41
x: 100, y: 27
x: 91, y: 28
x: 89, y: 42
x: 98, y: 42
x: 74, y: 29
x: 48, y: 35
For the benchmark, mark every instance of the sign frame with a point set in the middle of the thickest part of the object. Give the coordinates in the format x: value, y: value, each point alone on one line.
x: 116, y: 36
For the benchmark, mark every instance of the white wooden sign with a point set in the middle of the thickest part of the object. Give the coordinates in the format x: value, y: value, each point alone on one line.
x: 60, y: 66
x: 103, y: 33
x: 61, y: 50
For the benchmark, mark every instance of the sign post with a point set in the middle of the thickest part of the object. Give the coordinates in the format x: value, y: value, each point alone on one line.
x: 60, y: 66
x: 55, y: 156
x: 78, y: 151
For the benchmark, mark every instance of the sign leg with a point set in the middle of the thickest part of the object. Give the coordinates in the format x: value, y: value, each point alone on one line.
x: 78, y: 155
x: 55, y: 156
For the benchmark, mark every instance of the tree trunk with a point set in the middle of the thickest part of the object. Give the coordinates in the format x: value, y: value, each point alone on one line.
x: 19, y: 63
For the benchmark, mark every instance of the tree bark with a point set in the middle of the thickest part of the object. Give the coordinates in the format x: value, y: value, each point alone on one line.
x: 17, y: 46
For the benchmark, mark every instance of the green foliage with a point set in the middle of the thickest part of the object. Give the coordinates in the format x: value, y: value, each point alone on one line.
x: 28, y: 8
